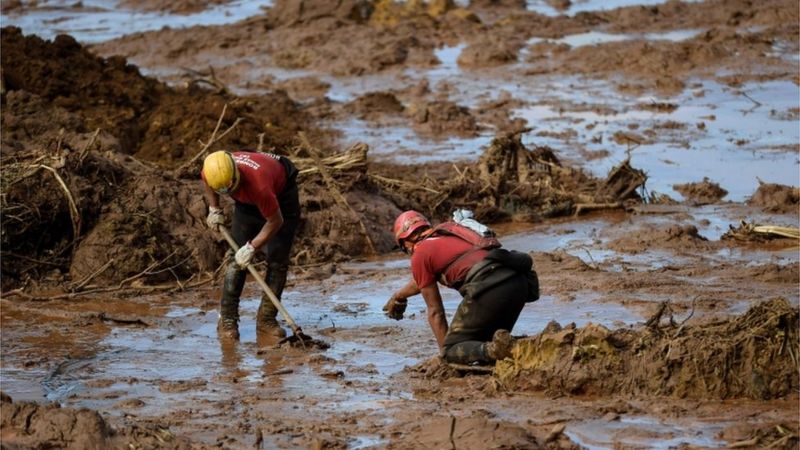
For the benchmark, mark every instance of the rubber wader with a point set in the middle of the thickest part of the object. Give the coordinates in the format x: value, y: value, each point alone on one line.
x: 229, y: 304
x: 266, y: 321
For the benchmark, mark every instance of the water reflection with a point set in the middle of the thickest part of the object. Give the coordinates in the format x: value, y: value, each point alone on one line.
x: 644, y: 432
x: 546, y: 8
x: 231, y: 358
x: 598, y: 37
x: 736, y: 157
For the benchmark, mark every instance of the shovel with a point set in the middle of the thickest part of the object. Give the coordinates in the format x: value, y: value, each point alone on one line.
x: 297, y: 333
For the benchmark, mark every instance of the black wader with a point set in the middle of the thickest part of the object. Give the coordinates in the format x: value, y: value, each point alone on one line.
x: 476, y: 319
x: 247, y: 222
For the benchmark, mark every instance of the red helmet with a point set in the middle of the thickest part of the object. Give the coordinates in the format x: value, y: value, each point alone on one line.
x: 407, y: 223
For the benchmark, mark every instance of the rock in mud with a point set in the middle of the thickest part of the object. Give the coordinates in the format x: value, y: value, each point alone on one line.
x: 705, y: 192
x: 488, y: 54
x: 776, y: 198
x: 32, y: 425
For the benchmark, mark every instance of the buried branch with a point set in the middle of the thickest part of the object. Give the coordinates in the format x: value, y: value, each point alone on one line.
x: 123, y: 292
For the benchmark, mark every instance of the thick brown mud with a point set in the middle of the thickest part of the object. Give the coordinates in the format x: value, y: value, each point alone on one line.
x: 664, y: 322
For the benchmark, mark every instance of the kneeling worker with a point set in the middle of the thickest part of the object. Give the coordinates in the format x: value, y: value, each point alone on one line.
x: 265, y: 218
x: 495, y: 285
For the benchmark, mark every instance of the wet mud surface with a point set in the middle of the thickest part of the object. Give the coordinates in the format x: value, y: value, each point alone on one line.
x: 645, y: 155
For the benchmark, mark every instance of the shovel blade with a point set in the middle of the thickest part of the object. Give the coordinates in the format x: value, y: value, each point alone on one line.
x: 305, y: 341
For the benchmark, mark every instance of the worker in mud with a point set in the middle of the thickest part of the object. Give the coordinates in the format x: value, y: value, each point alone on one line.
x: 495, y: 285
x: 266, y: 214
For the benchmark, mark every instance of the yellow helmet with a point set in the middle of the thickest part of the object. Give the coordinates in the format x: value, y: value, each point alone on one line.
x: 220, y: 172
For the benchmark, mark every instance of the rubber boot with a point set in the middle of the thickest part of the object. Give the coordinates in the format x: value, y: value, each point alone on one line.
x: 276, y: 278
x: 500, y: 346
x: 266, y: 317
x: 228, y: 326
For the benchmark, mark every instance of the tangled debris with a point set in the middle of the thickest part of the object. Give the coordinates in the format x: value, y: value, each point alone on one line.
x: 510, y: 181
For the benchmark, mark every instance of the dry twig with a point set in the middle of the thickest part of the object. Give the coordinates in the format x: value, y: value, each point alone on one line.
x: 81, y: 284
x: 139, y: 290
x: 353, y: 159
x: 403, y: 184
x: 73, y: 209
x: 88, y: 145
x: 211, y: 141
x: 146, y: 271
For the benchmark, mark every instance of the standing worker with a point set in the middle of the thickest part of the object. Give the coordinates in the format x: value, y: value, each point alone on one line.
x: 265, y: 217
x: 495, y: 285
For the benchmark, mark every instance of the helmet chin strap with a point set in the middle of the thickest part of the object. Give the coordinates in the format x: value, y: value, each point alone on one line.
x: 416, y: 238
x: 235, y: 183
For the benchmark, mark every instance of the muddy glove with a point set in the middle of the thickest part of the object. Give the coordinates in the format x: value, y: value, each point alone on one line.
x: 395, y: 307
x: 245, y: 255
x: 215, y: 218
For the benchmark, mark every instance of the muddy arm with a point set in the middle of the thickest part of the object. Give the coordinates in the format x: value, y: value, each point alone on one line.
x: 211, y: 196
x: 274, y: 223
x: 436, y: 316
x: 409, y: 290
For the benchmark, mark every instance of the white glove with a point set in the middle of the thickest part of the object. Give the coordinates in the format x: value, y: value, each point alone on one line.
x: 245, y: 255
x: 215, y: 218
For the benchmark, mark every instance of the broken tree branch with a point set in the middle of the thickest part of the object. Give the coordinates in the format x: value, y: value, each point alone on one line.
x: 79, y: 285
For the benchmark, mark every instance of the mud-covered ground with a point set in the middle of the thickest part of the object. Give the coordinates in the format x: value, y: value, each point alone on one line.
x: 646, y: 156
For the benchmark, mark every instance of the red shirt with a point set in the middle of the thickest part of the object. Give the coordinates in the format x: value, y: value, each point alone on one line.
x: 433, y: 255
x: 261, y: 178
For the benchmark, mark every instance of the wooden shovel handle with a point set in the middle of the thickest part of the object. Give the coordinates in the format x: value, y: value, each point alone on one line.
x: 292, y: 324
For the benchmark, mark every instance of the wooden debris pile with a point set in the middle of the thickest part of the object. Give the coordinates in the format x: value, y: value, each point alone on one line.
x: 512, y: 181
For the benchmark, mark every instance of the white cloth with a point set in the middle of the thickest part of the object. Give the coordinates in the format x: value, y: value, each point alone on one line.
x: 464, y: 217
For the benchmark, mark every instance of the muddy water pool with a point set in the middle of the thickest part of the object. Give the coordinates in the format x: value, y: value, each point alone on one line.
x: 97, y: 20
x: 645, y: 432
x: 733, y: 136
x: 177, y: 365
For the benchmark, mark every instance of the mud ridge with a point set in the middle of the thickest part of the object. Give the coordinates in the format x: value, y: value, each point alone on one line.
x: 750, y: 356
